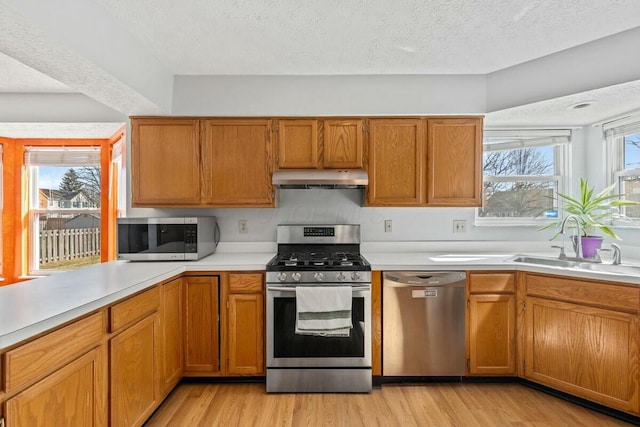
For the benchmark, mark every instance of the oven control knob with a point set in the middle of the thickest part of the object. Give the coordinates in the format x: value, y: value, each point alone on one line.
x: 341, y: 277
x: 355, y: 276
x: 296, y: 277
x: 318, y: 276
x: 282, y: 276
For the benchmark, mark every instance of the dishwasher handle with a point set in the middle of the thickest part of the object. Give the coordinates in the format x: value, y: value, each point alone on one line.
x: 423, y: 278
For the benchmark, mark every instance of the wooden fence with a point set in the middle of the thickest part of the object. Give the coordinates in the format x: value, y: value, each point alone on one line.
x: 68, y: 244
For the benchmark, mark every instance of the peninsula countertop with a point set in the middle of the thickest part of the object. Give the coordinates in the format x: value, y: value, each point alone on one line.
x: 35, y: 306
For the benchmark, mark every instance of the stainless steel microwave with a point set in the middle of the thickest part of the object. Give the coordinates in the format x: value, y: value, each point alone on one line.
x: 166, y: 239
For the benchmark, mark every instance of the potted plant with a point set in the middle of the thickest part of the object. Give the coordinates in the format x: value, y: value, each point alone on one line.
x: 594, y: 211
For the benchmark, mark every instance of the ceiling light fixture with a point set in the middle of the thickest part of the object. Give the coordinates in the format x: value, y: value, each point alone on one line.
x: 581, y: 105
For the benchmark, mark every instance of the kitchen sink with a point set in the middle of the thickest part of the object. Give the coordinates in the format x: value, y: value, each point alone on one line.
x: 577, y: 264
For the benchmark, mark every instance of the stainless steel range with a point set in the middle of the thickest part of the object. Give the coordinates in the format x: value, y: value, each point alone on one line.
x: 312, y: 256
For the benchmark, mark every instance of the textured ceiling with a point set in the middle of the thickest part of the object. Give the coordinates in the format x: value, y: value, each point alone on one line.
x: 293, y: 37
x: 606, y: 103
x: 59, y: 130
x: 19, y: 78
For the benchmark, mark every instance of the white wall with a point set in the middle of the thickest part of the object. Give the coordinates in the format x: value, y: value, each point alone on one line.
x: 329, y: 95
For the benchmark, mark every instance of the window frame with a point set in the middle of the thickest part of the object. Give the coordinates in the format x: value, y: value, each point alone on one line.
x: 33, y: 222
x: 559, y: 139
x: 614, y: 134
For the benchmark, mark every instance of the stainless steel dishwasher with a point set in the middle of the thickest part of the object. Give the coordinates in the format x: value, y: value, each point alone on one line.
x: 423, y: 316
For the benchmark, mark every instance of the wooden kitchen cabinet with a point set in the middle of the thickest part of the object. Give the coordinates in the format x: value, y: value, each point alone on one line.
x: 201, y: 163
x: 297, y: 144
x: 454, y: 162
x: 425, y: 162
x: 245, y: 324
x: 201, y: 325
x: 59, y: 378
x: 171, y: 336
x: 237, y: 162
x: 582, y: 337
x: 165, y: 164
x: 74, y: 395
x: 134, y: 358
x: 318, y: 144
x: 343, y: 144
x: 396, y: 162
x: 491, y: 320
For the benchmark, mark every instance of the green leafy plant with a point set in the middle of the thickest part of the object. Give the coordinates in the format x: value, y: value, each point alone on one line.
x: 593, y: 210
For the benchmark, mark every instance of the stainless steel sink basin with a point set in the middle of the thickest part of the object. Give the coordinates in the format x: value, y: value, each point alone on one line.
x: 577, y: 264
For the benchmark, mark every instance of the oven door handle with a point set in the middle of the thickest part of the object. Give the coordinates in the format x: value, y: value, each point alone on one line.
x: 293, y: 288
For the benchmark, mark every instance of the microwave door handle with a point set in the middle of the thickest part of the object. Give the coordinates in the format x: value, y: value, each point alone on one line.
x: 216, y: 234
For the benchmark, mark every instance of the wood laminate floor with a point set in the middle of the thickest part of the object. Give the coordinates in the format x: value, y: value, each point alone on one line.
x: 450, y: 404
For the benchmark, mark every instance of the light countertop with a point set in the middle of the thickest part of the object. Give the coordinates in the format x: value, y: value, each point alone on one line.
x: 32, y: 307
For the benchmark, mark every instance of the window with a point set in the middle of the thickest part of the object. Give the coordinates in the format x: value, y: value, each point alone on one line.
x: 1, y: 205
x: 523, y: 171
x: 64, y: 207
x: 623, y: 151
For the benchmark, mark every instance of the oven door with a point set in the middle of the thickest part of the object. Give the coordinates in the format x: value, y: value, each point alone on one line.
x: 286, y: 349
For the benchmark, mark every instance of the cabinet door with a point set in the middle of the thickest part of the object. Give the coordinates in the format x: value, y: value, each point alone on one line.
x: 492, y: 334
x: 237, y: 163
x: 165, y: 162
x: 134, y: 373
x: 171, y: 335
x: 454, y: 162
x: 246, y: 336
x: 396, y: 152
x: 202, y: 325
x: 298, y: 144
x: 343, y: 144
x: 75, y: 395
x: 585, y: 351
x: 245, y: 324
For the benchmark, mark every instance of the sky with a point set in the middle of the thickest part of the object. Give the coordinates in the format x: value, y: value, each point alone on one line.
x: 632, y: 154
x: 50, y: 176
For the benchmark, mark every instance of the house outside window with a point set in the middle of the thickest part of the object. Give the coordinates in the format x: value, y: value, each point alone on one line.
x: 523, y: 172
x: 64, y: 207
x: 622, y: 140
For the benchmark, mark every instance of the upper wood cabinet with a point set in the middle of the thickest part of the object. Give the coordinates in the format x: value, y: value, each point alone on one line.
x: 396, y: 162
x: 297, y: 144
x: 425, y: 162
x: 203, y: 163
x: 318, y: 144
x: 454, y: 162
x: 237, y: 159
x: 165, y: 162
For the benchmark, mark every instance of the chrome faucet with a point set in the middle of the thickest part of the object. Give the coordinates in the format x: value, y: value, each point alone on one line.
x: 577, y: 243
x: 617, y: 254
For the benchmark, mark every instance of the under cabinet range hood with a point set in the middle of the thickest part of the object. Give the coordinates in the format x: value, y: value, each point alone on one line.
x: 320, y: 178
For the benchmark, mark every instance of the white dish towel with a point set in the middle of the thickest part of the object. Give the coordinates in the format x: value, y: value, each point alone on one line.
x: 323, y: 311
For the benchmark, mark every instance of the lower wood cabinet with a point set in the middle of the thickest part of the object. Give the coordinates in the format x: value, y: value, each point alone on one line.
x: 172, y: 359
x: 491, y: 320
x: 201, y: 325
x: 74, y: 395
x: 586, y: 351
x: 582, y: 336
x: 245, y: 324
x: 134, y: 376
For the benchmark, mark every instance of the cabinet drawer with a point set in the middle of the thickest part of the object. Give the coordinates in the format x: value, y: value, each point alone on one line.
x: 134, y: 308
x: 43, y: 355
x: 245, y: 283
x: 593, y: 293
x: 492, y: 283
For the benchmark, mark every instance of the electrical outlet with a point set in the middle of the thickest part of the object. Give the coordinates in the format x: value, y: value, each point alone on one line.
x: 243, y: 226
x: 459, y: 225
x: 388, y: 226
